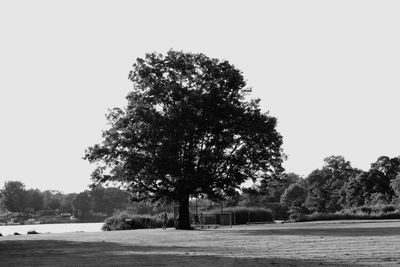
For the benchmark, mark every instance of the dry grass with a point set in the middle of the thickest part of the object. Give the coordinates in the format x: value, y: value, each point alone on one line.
x: 351, y: 243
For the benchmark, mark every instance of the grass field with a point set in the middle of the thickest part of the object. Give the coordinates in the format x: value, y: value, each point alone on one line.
x: 329, y: 243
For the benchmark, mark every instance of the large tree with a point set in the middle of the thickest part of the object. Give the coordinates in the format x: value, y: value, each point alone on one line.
x: 188, y: 129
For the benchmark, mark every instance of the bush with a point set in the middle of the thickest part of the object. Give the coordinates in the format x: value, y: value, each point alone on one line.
x: 366, y: 210
x: 375, y: 212
x: 296, y: 214
x: 388, y: 208
x: 240, y: 215
x: 125, y: 221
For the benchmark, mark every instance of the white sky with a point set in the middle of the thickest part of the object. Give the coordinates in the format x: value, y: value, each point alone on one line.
x: 328, y: 70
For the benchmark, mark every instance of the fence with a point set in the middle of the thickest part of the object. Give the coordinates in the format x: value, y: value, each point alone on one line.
x: 200, y: 217
x: 229, y: 216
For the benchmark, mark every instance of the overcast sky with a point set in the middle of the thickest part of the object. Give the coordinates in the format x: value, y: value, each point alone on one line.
x: 328, y: 70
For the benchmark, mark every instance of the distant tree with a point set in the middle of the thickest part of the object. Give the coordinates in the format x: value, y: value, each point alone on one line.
x: 376, y: 186
x: 81, y: 205
x: 34, y: 200
x: 318, y: 191
x: 233, y: 199
x: 390, y: 167
x: 273, y: 188
x: 2, y: 206
x: 142, y: 207
x: 325, y: 185
x: 355, y: 190
x: 188, y: 130
x: 115, y: 199
x: 382, y: 173
x: 294, y: 196
x: 107, y: 200
x: 52, y: 199
x: 54, y: 203
x: 293, y: 199
x: 252, y: 197
x: 395, y: 185
x: 14, y: 196
x: 97, y: 199
x: 268, y: 193
x: 66, y: 203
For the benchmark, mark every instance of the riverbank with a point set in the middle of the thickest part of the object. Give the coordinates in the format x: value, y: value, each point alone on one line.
x: 359, y: 243
x: 50, y: 228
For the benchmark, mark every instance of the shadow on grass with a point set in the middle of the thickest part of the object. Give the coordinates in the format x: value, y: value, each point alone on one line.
x: 67, y: 253
x: 348, y: 231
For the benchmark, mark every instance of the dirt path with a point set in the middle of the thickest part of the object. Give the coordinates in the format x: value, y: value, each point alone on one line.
x: 300, y: 244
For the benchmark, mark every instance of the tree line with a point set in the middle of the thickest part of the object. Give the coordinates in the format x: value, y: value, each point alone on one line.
x: 334, y: 187
x: 97, y: 201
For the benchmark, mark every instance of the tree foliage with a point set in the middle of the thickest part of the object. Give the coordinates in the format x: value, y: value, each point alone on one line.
x: 375, y: 186
x: 14, y: 196
x: 274, y: 188
x: 294, y: 196
x: 395, y: 184
x: 81, y: 205
x: 187, y: 130
x: 324, y: 185
x: 107, y: 200
x: 34, y: 200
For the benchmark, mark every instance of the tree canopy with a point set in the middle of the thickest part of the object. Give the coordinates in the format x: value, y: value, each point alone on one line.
x: 324, y: 185
x: 189, y: 129
x: 13, y: 196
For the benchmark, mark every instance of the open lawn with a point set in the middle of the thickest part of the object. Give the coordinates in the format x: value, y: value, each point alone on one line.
x: 331, y: 243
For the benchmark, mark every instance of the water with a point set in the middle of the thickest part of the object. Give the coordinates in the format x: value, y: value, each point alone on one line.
x: 51, y: 228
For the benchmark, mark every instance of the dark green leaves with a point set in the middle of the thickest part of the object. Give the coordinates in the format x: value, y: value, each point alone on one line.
x: 187, y: 130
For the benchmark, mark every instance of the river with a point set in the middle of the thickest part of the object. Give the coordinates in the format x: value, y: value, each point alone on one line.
x: 51, y: 228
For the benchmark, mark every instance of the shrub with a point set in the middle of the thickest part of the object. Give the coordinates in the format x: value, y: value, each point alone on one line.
x: 388, y: 208
x: 125, y: 221
x: 366, y: 210
x: 375, y: 212
x: 295, y: 214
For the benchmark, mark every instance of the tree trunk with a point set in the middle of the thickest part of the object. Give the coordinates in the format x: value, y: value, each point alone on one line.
x: 183, y: 222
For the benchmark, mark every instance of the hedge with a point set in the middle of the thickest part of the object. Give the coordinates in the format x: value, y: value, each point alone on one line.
x: 376, y: 212
x: 130, y: 222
